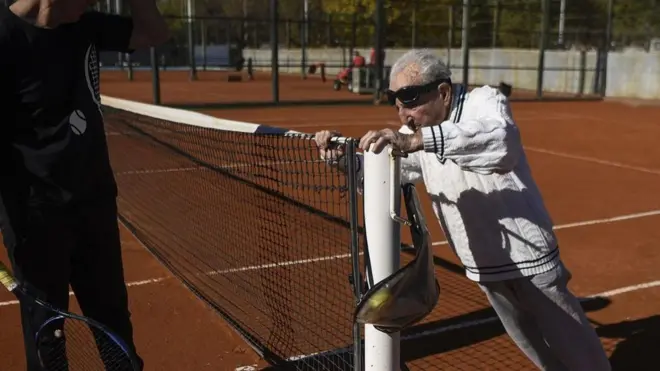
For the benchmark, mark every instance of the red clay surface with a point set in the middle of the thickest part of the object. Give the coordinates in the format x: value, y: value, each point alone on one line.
x: 598, y: 167
x: 213, y: 87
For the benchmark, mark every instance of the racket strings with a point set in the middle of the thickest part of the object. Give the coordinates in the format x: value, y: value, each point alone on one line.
x: 72, y: 345
x: 94, y: 73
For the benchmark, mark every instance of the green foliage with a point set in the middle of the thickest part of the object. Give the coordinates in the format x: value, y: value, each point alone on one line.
x: 432, y: 23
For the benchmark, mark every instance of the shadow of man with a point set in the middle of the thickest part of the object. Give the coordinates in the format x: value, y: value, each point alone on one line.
x: 639, y: 345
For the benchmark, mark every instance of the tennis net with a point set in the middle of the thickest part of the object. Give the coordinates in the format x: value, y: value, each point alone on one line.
x: 250, y: 219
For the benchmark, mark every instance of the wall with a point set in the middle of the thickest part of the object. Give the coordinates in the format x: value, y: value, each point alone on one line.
x: 631, y: 74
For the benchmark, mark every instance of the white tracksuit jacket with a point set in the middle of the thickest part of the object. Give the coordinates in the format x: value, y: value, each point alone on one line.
x: 476, y: 172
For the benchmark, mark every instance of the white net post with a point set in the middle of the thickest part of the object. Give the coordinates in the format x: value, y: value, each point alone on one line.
x: 382, y: 351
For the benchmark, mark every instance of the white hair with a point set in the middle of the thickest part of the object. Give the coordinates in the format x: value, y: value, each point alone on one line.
x: 430, y: 67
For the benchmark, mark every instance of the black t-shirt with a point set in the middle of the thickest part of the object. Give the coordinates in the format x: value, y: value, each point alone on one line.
x: 53, y: 150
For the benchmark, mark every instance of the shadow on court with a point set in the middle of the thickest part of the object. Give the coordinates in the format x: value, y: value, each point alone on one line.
x: 450, y: 335
x: 638, y: 349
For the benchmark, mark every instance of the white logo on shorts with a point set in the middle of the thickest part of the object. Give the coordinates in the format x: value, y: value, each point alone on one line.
x: 78, y: 122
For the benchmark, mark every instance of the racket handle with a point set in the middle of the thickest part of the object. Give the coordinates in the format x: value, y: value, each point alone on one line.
x: 6, y: 278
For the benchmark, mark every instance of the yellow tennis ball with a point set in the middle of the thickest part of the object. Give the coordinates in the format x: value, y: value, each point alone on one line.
x: 379, y: 298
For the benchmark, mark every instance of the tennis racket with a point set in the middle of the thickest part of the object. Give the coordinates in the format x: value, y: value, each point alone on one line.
x: 69, y: 342
x: 92, y: 76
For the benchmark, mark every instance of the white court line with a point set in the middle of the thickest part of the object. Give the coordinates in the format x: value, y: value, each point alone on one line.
x: 332, y: 124
x: 159, y: 171
x: 594, y: 160
x: 279, y: 264
x: 225, y: 271
x: 463, y: 325
x: 590, y: 222
x: 129, y: 284
x: 391, y: 123
x: 574, y: 157
x: 232, y: 166
x: 483, y: 321
x: 346, y: 256
x: 373, y: 121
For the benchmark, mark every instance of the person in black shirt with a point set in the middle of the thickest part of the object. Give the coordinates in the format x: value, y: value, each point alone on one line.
x: 58, y: 210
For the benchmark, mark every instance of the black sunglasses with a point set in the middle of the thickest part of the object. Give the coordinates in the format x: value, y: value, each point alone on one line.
x: 409, y: 95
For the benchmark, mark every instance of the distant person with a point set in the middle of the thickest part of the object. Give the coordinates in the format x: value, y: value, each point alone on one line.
x: 358, y: 60
x: 346, y: 74
x: 58, y: 211
x: 372, y: 57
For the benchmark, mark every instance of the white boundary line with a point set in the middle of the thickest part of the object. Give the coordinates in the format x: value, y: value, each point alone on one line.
x: 226, y: 166
x: 593, y: 160
x: 575, y: 157
x: 346, y: 256
x: 129, y: 284
x: 224, y: 271
x: 590, y: 222
x: 483, y: 321
x: 463, y: 325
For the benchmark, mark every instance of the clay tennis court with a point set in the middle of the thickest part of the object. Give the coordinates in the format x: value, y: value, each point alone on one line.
x: 597, y: 165
x: 213, y: 87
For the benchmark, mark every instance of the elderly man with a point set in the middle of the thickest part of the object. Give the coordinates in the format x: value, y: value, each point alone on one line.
x: 466, y: 149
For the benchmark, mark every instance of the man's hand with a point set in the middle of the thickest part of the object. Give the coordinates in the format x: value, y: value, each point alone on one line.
x: 329, y: 151
x: 406, y: 143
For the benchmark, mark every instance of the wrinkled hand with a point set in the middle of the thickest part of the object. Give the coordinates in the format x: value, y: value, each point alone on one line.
x: 406, y: 143
x: 329, y: 151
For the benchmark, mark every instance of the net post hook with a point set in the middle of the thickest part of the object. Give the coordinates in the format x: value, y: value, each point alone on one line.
x: 395, y: 173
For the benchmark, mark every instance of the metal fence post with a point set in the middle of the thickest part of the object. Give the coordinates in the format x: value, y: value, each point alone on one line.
x: 450, y: 34
x: 465, y: 40
x: 304, y: 39
x: 545, y: 24
x: 155, y: 75
x: 202, y: 30
x: 274, y: 49
x: 413, y: 41
x: 191, y: 39
x: 606, y: 52
x: 496, y: 23
x: 379, y: 47
x: 353, y: 33
x: 120, y: 56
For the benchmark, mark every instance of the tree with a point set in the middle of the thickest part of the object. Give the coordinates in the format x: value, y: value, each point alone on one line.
x: 334, y: 22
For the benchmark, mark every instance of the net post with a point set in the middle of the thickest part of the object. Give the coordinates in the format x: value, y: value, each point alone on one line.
x: 382, y: 350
